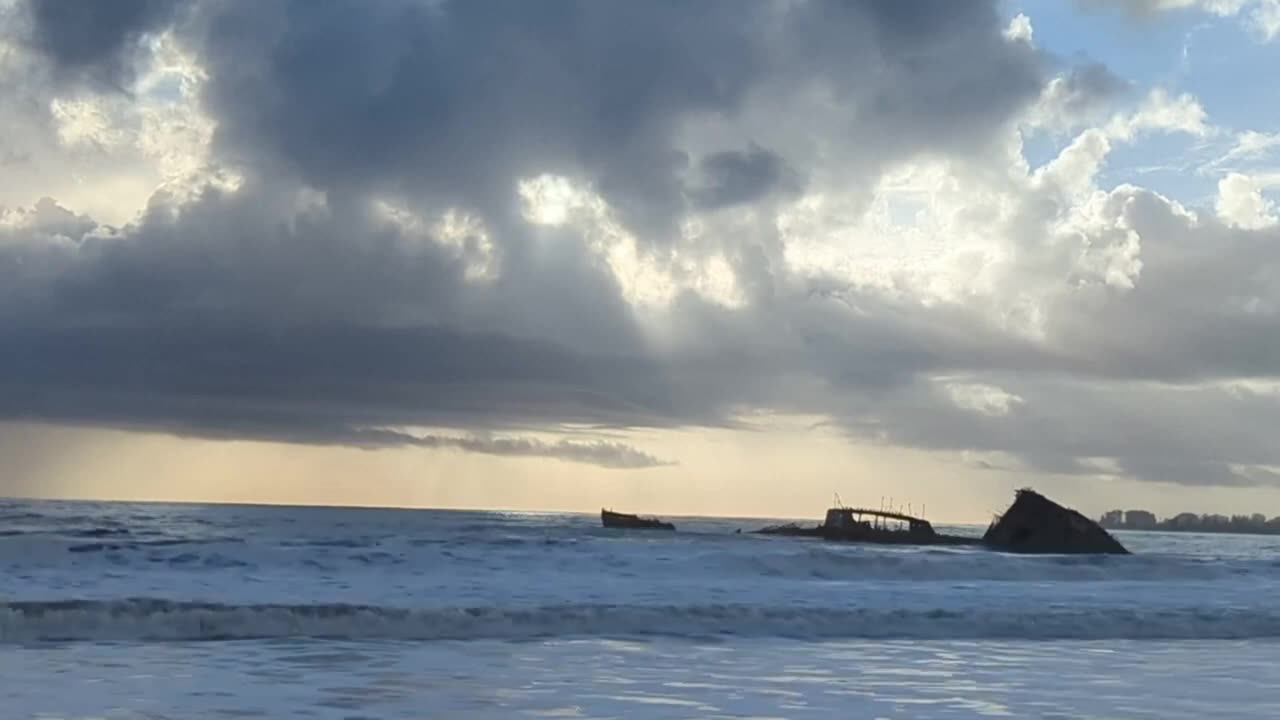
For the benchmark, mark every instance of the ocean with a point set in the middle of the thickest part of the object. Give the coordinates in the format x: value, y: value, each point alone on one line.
x: 178, y: 611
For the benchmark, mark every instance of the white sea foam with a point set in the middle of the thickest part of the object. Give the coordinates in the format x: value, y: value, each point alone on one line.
x: 101, y: 600
x: 843, y: 563
x: 685, y: 556
x: 141, y: 619
x: 68, y: 572
x: 105, y: 598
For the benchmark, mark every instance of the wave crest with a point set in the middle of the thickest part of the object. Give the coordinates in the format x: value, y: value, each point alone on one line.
x: 148, y: 619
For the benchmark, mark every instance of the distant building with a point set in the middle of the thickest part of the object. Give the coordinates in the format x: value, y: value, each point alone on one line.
x: 1139, y: 519
x: 1256, y: 523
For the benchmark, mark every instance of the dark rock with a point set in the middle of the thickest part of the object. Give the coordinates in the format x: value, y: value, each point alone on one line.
x: 632, y: 522
x: 1036, y: 524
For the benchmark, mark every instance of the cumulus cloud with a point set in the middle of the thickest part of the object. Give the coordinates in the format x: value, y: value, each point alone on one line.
x: 1241, y: 203
x: 1079, y: 97
x: 1020, y: 29
x: 1138, y: 316
x: 740, y: 177
x: 95, y: 42
x: 494, y: 216
x: 1163, y: 112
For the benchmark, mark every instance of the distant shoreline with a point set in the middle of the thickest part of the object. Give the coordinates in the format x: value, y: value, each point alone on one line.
x: 1190, y: 530
x: 1146, y: 521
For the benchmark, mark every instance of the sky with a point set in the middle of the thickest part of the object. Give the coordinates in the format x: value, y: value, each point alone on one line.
x: 724, y: 257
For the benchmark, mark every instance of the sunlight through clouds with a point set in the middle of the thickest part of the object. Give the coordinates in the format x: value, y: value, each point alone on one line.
x: 960, y: 230
x: 646, y: 280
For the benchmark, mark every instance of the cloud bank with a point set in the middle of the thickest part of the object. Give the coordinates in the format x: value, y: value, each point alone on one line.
x: 504, y: 216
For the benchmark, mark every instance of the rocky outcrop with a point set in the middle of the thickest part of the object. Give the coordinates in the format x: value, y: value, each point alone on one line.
x: 632, y: 522
x: 1036, y: 524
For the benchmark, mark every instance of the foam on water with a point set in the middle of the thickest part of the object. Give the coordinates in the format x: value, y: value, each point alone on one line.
x: 84, y: 571
x: 585, y: 549
x: 144, y: 611
x: 774, y: 558
x: 143, y: 619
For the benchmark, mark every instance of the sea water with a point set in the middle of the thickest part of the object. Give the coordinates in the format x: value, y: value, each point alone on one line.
x: 124, y: 611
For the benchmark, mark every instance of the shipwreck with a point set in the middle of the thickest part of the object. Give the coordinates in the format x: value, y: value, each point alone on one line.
x: 627, y: 521
x: 1032, y: 524
x: 846, y: 524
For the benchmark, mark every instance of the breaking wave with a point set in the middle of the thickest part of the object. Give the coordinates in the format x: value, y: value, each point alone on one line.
x: 145, y: 619
x: 781, y: 560
x: 977, y: 565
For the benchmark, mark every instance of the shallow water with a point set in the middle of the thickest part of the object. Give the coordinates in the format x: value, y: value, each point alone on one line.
x: 663, y: 678
x: 181, y: 611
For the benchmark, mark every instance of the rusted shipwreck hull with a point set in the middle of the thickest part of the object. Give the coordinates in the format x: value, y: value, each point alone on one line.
x: 1032, y: 524
x: 627, y: 521
x: 871, y: 526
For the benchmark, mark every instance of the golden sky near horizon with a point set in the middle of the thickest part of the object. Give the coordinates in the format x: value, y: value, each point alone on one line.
x: 732, y: 473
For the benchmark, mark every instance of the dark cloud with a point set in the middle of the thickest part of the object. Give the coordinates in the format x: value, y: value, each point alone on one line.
x: 295, y: 309
x: 736, y: 177
x: 347, y: 377
x: 1084, y: 93
x: 1148, y: 378
x: 943, y: 75
x: 1205, y: 307
x: 604, y: 453
x: 1095, y: 80
x: 458, y: 99
x: 95, y: 41
x: 216, y: 369
x: 1062, y: 424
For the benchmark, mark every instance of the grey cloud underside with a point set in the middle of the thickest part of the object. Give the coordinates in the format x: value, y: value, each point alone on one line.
x: 1099, y: 393
x: 608, y: 454
x: 1146, y: 377
x: 148, y: 362
x: 740, y: 177
x: 350, y: 376
x: 338, y: 386
x: 1095, y: 80
x: 451, y: 101
x: 95, y: 42
x: 240, y: 314
x: 458, y: 101
x: 1086, y: 91
x: 1192, y: 436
